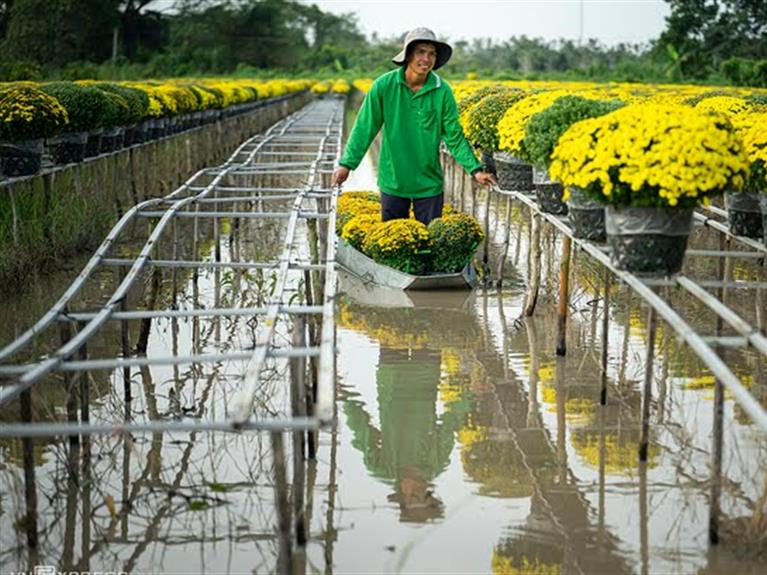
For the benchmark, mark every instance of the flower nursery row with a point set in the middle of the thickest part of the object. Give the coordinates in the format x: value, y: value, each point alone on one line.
x: 86, y: 118
x: 446, y: 245
x: 628, y: 162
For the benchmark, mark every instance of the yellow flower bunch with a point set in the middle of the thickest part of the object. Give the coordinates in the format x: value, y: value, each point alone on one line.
x: 340, y: 86
x: 753, y: 131
x: 357, y: 228
x: 651, y: 155
x: 511, y: 127
x: 321, y: 87
x: 351, y: 204
x: 730, y: 105
x: 398, y: 244
x: 363, y: 84
x: 27, y: 113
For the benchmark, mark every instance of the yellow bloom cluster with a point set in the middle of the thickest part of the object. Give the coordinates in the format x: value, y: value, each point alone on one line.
x: 511, y: 127
x: 651, y: 154
x: 357, y: 228
x: 363, y: 84
x: 729, y: 105
x: 754, y: 134
x: 397, y: 237
x: 27, y: 113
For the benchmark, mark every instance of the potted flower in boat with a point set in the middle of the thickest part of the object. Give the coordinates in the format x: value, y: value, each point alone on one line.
x: 587, y: 216
x: 651, y: 164
x: 27, y: 116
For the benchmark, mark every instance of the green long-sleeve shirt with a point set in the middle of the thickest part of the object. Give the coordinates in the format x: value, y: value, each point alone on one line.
x: 413, y: 125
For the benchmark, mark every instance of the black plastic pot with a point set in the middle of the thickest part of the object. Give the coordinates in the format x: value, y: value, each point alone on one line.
x: 21, y: 158
x: 744, y: 215
x: 513, y: 173
x: 648, y: 241
x: 587, y: 217
x: 68, y: 148
x: 549, y: 196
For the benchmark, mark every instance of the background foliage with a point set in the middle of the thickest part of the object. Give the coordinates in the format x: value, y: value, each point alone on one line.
x: 704, y: 40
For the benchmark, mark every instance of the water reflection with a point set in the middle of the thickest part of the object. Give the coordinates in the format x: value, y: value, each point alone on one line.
x: 406, y: 439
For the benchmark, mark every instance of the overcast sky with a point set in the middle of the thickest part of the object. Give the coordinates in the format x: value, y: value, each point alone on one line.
x: 611, y: 21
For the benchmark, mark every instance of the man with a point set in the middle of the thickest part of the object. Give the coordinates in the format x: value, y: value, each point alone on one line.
x: 416, y: 109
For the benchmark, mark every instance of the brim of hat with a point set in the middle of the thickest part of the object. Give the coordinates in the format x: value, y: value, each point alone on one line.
x: 444, y: 51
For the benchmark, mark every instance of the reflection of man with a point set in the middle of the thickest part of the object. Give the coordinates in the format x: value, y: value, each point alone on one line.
x: 413, y: 445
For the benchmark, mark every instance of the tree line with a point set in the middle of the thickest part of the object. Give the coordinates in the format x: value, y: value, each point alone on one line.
x: 704, y: 40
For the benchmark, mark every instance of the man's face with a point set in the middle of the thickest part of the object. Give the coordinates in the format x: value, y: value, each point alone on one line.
x: 422, y: 57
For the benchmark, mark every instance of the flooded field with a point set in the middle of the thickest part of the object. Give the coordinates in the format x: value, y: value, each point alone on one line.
x: 463, y: 443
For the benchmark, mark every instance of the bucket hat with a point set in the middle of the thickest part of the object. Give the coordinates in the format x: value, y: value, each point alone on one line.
x: 444, y: 51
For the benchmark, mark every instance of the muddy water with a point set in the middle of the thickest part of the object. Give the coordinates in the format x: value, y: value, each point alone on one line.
x: 463, y: 443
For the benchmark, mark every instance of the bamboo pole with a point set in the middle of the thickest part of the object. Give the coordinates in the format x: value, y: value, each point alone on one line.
x: 535, y: 266
x: 605, y: 339
x: 564, y: 296
x: 644, y: 441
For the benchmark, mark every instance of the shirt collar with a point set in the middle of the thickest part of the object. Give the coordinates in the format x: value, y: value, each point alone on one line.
x: 432, y: 81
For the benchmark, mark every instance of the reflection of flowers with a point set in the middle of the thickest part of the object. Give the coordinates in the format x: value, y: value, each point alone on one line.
x: 524, y: 566
x: 620, y: 449
x: 408, y: 328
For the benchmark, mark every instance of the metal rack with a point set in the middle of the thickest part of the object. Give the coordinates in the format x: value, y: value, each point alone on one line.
x: 708, y: 347
x: 250, y: 185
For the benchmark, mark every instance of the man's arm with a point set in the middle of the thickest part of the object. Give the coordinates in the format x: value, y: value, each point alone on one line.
x: 457, y: 143
x: 366, y: 126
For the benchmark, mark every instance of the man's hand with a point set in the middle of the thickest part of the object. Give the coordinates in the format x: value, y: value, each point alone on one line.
x: 340, y: 175
x: 485, y: 178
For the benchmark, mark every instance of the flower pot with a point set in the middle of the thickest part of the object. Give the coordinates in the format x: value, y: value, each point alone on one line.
x: 648, y: 241
x: 129, y: 136
x: 549, y: 196
x: 111, y: 140
x: 21, y: 158
x: 93, y: 146
x: 488, y: 162
x: 763, y: 208
x: 587, y: 216
x: 68, y: 148
x: 744, y: 214
x: 141, y: 132
x: 513, y: 173
x: 157, y: 128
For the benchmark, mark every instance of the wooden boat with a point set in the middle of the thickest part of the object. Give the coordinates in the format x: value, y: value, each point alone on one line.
x: 357, y: 263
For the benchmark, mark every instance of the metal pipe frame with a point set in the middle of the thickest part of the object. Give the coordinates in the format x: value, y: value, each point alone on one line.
x: 697, y: 342
x: 324, y: 119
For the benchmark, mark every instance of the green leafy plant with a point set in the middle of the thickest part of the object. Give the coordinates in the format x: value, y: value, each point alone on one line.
x: 453, y: 239
x: 27, y: 113
x: 480, y: 123
x: 84, y: 104
x: 137, y: 100
x: 545, y: 128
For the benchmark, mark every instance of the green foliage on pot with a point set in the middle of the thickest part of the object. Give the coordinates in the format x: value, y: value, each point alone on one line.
x: 137, y: 100
x: 84, y: 104
x: 545, y: 128
x: 466, y: 103
x: 453, y: 240
x: 115, y: 111
x: 27, y: 113
x: 481, y: 121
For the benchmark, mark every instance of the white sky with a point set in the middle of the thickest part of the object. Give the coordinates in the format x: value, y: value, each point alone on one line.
x: 610, y: 21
